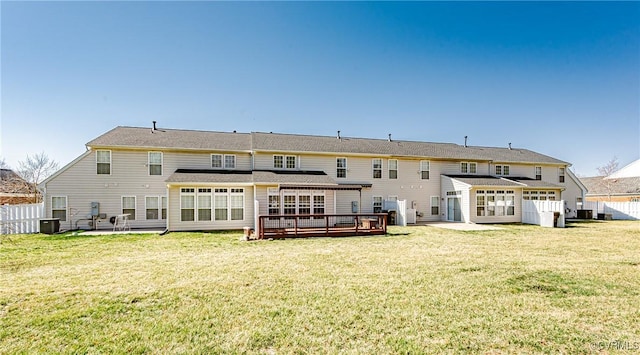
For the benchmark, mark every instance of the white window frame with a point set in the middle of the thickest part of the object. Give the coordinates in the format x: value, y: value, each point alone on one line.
x: 222, y: 192
x: 158, y: 208
x: 229, y: 163
x: 66, y: 207
x: 221, y: 156
x: 341, y: 168
x: 236, y: 192
x: 101, y: 162
x: 132, y: 216
x: 374, y: 169
x: 561, y: 175
x: 468, y: 167
x: 379, y: 204
x: 435, y: 205
x: 425, y: 164
x: 535, y: 172
x: 150, y: 164
x: 192, y: 194
x: 391, y: 169
x: 495, y: 203
x: 502, y: 170
x: 206, y: 192
x: 223, y: 161
x: 284, y: 160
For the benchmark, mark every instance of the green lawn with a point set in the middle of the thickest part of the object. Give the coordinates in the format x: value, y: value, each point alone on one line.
x: 417, y: 290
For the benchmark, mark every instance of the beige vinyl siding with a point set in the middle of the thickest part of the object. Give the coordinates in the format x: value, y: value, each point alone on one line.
x: 129, y: 177
x: 174, y: 213
x: 549, y: 172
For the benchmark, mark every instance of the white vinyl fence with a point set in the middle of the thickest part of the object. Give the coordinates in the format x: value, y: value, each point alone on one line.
x: 542, y: 212
x: 18, y: 219
x: 618, y: 210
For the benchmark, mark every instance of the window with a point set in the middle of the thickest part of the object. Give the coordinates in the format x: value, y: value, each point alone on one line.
x: 480, y: 204
x: 59, y: 207
x: 424, y: 169
x: 216, y: 161
x: 155, y: 163
x: 187, y: 204
x: 152, y: 207
x: 304, y: 204
x: 318, y: 204
x: 289, y: 204
x: 219, y: 161
x: 468, y: 168
x: 281, y: 162
x: 291, y: 162
x: 435, y: 205
x: 377, y: 204
x: 502, y: 169
x: 579, y: 203
x: 103, y: 162
x: 538, y: 171
x: 278, y: 161
x: 163, y: 199
x: 221, y: 204
x: 393, y: 168
x: 156, y: 207
x: 129, y: 206
x: 341, y: 167
x: 377, y: 168
x: 237, y: 204
x: 204, y: 204
x: 560, y: 174
x: 274, y: 205
x: 495, y: 203
x: 498, y: 169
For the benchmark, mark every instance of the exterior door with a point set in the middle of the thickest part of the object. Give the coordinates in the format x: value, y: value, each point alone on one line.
x: 454, y: 213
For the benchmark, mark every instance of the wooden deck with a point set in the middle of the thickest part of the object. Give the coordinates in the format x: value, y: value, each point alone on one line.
x: 334, y: 225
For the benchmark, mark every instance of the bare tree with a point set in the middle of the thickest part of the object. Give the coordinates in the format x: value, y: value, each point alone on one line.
x: 605, y: 171
x: 35, y: 169
x: 3, y: 164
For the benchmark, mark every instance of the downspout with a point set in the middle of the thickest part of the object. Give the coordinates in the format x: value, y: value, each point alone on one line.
x: 166, y: 230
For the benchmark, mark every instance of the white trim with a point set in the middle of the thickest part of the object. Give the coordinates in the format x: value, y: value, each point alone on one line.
x: 389, y: 170
x: 66, y: 206
x: 427, y: 170
x: 110, y: 161
x: 373, y: 169
x: 135, y: 204
x: 345, y: 168
x: 149, y: 163
x: 431, y: 205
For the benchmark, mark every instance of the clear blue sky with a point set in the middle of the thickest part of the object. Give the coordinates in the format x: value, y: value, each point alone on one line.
x: 562, y: 79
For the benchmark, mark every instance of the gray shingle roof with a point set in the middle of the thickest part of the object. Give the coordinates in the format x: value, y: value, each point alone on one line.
x: 276, y: 142
x: 184, y: 176
x: 621, y: 186
x: 484, y: 180
x: 173, y: 138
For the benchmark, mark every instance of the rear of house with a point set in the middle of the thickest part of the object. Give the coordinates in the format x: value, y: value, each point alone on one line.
x: 199, y: 180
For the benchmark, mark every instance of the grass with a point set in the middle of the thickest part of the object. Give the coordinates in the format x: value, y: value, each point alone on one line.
x: 417, y: 290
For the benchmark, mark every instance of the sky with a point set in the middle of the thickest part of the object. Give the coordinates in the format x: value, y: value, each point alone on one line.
x: 559, y: 78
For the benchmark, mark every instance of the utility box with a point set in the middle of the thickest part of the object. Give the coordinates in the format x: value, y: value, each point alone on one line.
x: 584, y: 214
x: 50, y: 225
x: 95, y: 209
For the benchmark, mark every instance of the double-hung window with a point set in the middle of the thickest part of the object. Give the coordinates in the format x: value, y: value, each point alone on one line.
x: 560, y: 174
x: 129, y: 206
x: 221, y: 204
x: 468, y: 167
x: 341, y: 167
x: 285, y: 162
x: 59, y: 207
x: 377, y: 168
x: 424, y: 169
x: 377, y: 204
x: 435, y: 205
x: 204, y: 204
x: 502, y: 170
x: 220, y: 161
x: 187, y: 204
x: 103, y: 162
x: 538, y: 172
x: 393, y: 168
x: 237, y: 204
x: 152, y: 207
x: 155, y: 163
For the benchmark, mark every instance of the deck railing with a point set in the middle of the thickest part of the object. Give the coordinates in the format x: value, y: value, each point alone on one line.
x: 329, y: 225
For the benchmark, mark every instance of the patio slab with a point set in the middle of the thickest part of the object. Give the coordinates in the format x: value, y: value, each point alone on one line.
x: 463, y: 226
x: 111, y: 232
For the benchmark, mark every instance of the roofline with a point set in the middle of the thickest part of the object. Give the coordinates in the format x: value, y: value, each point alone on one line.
x: 63, y: 169
x: 577, y: 180
x: 130, y: 147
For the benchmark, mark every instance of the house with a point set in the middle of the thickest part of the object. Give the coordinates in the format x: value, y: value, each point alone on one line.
x: 201, y: 180
x: 14, y: 190
x: 621, y: 186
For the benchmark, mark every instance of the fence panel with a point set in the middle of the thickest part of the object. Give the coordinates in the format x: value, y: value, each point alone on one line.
x: 20, y: 219
x: 532, y: 211
x: 618, y: 210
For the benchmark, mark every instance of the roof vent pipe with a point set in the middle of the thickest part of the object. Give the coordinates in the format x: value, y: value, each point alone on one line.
x: 154, y: 125
x: 509, y: 145
x: 465, y: 141
x: 338, y: 135
x: 389, y: 137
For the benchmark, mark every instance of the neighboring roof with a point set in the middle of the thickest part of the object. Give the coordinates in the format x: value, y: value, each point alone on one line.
x: 631, y: 170
x: 533, y: 183
x: 138, y: 137
x: 12, y: 183
x: 185, y: 176
x: 597, y: 185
